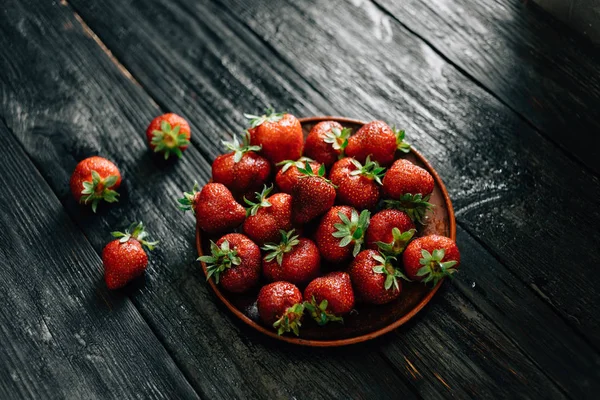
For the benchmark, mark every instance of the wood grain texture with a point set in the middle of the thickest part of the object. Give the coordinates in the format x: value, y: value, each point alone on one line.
x: 126, y: 29
x: 533, y: 63
x: 63, y: 335
x: 65, y: 99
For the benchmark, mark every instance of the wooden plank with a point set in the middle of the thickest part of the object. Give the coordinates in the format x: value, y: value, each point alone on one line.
x: 62, y: 334
x: 534, y: 64
x: 64, y: 99
x: 238, y: 55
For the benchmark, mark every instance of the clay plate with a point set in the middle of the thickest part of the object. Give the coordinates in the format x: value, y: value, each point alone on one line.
x: 369, y: 321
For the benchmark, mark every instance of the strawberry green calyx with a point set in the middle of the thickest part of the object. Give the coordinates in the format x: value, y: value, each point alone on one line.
x: 290, y: 321
x: 186, y: 203
x: 398, y: 244
x: 99, y: 189
x: 433, y: 269
x: 370, y: 170
x: 269, y: 116
x: 278, y: 250
x: 240, y: 149
x: 338, y: 138
x: 308, y: 171
x: 299, y: 163
x: 400, y: 143
x: 137, y: 232
x: 261, y: 201
x: 416, y: 206
x: 221, y: 259
x: 169, y: 140
x: 391, y: 273
x: 352, y: 230
x: 319, y: 312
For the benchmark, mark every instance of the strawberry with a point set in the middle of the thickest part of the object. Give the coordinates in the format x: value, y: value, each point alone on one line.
x: 326, y: 142
x: 374, y: 277
x: 279, y: 134
x: 234, y: 263
x: 358, y: 185
x: 243, y: 171
x: 268, y: 216
x: 294, y: 259
x: 329, y: 297
x: 280, y: 305
x: 215, y: 208
x: 95, y: 179
x: 409, y: 188
x: 288, y: 175
x: 125, y: 259
x: 390, y: 231
x: 431, y: 258
x: 168, y: 134
x: 377, y: 139
x: 341, y: 232
x: 312, y: 196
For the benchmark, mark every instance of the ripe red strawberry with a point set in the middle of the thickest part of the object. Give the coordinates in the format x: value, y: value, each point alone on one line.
x: 431, y: 258
x: 377, y: 139
x: 288, y: 175
x: 390, y: 231
x: 280, y: 305
x: 234, y: 263
x: 326, y: 142
x: 329, y: 297
x: 215, y: 208
x: 358, y: 185
x: 243, y: 171
x: 293, y: 260
x: 125, y: 259
x: 312, y: 196
x: 268, y: 216
x: 95, y: 179
x: 341, y: 232
x: 409, y: 187
x: 168, y: 134
x: 374, y: 277
x: 279, y: 134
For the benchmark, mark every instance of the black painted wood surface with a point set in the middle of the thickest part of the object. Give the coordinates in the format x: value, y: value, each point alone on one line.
x: 85, y: 78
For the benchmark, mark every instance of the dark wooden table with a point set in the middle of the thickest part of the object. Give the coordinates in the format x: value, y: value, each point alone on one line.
x: 501, y: 98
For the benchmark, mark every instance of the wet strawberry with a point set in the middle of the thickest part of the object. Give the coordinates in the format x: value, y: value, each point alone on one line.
x: 279, y: 134
x: 329, y: 297
x: 266, y: 217
x: 379, y: 141
x: 168, y: 134
x: 288, y: 175
x: 358, y: 185
x: 312, y: 196
x: 95, y: 179
x: 340, y: 234
x: 374, y: 277
x: 431, y: 258
x: 293, y: 259
x: 280, y: 306
x: 390, y: 231
x: 326, y: 142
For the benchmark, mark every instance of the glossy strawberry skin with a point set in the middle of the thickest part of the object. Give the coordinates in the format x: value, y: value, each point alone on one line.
x: 375, y: 138
x: 265, y: 225
x: 287, y: 180
x: 412, y: 255
x: 316, y: 147
x: 280, y: 140
x: 243, y: 178
x: 275, y: 298
x: 405, y: 177
x: 368, y: 285
x: 299, y: 266
x: 123, y: 262
x: 382, y: 223
x: 329, y: 245
x: 216, y: 210
x: 334, y: 287
x: 240, y: 278
x: 173, y: 120
x: 312, y: 196
x: 356, y: 191
x: 83, y: 173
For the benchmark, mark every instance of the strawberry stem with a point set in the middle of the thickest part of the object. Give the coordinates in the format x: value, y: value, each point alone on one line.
x: 338, y: 138
x: 290, y: 321
x: 169, y: 140
x: 352, y: 230
x: 137, y: 232
x: 319, y: 312
x: 269, y: 116
x: 433, y: 268
x: 221, y: 259
x: 391, y: 273
x: 262, y: 201
x: 186, y: 203
x: 370, y: 170
x: 416, y: 206
x: 278, y: 250
x: 99, y: 189
x: 400, y: 143
x: 240, y: 149
x: 399, y: 242
x: 299, y: 163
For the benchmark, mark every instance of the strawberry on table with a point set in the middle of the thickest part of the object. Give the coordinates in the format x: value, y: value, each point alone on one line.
x: 390, y: 231
x: 431, y: 258
x: 326, y: 142
x: 234, y: 263
x: 280, y: 306
x: 341, y: 233
x: 329, y: 297
x: 294, y: 259
x: 312, y: 196
x: 379, y: 141
x: 95, y: 179
x: 279, y: 134
x: 266, y: 217
x: 375, y: 278
x: 358, y: 184
x: 168, y: 134
x: 289, y: 174
x: 124, y: 258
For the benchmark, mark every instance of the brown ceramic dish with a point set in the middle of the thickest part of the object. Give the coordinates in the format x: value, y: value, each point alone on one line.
x: 370, y: 321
